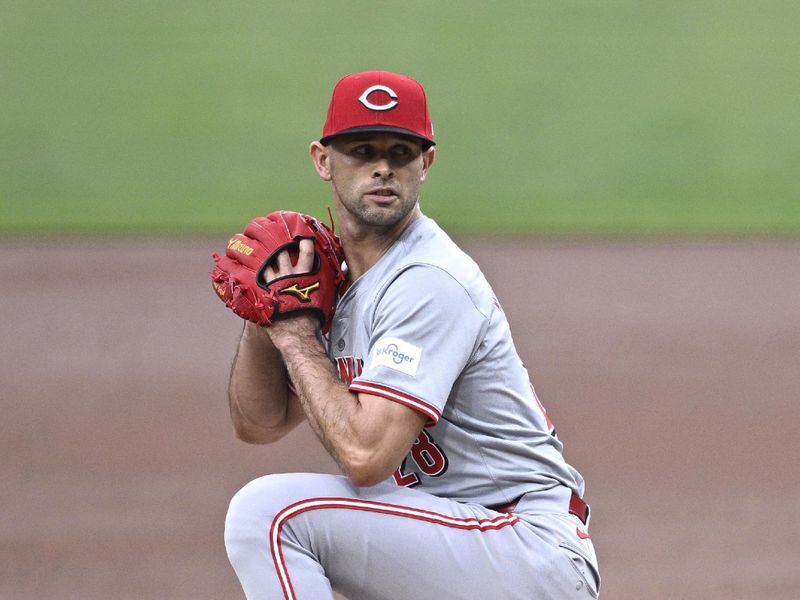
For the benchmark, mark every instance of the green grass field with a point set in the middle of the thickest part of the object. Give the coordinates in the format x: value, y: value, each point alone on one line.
x: 617, y: 117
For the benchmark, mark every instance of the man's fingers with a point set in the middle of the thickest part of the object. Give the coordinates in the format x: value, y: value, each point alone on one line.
x: 305, y: 261
x: 269, y: 274
x: 283, y: 262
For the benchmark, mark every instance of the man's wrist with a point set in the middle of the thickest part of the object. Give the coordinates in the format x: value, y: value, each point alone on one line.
x: 257, y: 335
x: 295, y: 335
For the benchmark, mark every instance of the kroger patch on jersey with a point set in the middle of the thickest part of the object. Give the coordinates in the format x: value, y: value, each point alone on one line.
x: 396, y: 354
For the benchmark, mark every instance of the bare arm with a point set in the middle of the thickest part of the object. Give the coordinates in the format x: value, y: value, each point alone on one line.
x: 367, y: 435
x: 263, y: 409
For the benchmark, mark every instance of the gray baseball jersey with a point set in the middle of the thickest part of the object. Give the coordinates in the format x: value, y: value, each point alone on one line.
x: 422, y: 327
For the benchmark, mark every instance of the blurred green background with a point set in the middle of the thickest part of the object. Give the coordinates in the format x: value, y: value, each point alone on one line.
x: 618, y: 117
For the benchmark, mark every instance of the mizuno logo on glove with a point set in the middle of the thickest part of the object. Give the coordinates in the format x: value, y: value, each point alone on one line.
x: 239, y: 246
x: 303, y: 294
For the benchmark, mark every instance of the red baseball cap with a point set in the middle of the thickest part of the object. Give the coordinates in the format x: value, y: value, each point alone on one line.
x: 378, y: 101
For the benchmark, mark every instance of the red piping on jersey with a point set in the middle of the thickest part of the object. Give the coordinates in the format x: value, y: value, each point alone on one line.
x: 426, y: 409
x: 397, y: 510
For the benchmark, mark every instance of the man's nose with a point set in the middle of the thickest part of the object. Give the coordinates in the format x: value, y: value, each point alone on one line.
x: 383, y: 167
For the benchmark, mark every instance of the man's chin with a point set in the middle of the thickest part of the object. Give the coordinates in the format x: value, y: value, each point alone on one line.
x: 383, y: 215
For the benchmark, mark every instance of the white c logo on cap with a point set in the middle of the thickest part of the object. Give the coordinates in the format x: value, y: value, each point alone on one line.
x: 364, y: 98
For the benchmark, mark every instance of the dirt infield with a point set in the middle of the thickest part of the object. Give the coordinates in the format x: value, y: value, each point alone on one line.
x: 671, y: 369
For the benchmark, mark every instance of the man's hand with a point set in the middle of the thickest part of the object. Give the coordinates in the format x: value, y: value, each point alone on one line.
x: 280, y: 265
x: 283, y: 262
x: 299, y: 327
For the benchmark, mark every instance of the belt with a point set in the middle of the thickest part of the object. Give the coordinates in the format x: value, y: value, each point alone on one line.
x: 577, y: 507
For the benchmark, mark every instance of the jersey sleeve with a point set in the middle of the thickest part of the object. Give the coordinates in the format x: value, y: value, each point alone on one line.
x: 424, y: 330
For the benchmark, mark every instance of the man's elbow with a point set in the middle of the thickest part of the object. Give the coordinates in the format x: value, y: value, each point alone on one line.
x: 368, y: 471
x: 252, y: 434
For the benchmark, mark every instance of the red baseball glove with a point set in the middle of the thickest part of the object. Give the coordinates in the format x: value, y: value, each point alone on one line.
x: 238, y: 277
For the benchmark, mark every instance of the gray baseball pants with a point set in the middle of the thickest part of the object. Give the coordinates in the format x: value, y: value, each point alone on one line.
x: 300, y: 536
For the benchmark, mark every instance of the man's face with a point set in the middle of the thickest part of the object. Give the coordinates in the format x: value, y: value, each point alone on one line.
x: 377, y: 176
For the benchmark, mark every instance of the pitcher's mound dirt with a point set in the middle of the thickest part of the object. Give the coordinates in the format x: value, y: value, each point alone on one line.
x: 670, y: 369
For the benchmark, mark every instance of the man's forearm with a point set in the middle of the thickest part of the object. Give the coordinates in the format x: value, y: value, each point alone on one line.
x: 329, y: 407
x: 366, y: 435
x: 262, y: 407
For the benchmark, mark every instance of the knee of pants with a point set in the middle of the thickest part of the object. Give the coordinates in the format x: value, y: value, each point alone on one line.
x: 254, y: 507
x: 250, y: 514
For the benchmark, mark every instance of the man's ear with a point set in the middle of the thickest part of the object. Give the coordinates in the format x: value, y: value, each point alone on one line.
x: 320, y: 156
x: 427, y: 160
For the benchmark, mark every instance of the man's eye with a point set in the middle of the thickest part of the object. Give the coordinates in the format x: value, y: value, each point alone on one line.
x: 401, y: 151
x: 362, y: 151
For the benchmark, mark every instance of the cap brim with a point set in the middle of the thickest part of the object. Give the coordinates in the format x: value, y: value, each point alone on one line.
x: 427, y: 143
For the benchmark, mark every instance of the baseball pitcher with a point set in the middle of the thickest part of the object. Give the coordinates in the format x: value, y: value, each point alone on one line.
x: 389, y: 341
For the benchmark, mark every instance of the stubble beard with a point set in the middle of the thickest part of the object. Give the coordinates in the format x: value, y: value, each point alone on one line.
x: 381, y: 217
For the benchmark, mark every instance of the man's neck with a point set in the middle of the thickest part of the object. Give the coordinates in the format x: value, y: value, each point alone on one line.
x: 364, y: 247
